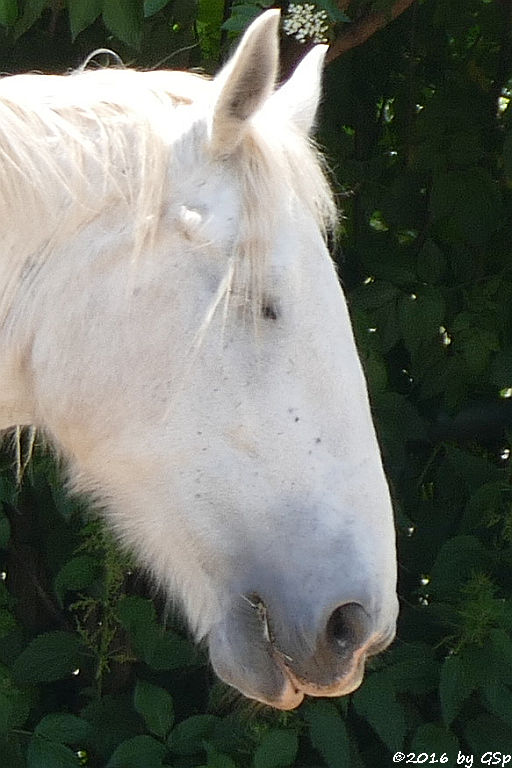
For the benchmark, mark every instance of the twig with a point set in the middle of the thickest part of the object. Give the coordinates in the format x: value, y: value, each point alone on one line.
x: 175, y: 53
x: 358, y: 32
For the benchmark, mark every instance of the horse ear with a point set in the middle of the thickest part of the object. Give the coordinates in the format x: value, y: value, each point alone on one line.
x: 298, y: 98
x: 246, y: 82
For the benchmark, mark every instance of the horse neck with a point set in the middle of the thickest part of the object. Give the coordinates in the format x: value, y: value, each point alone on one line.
x: 54, y: 188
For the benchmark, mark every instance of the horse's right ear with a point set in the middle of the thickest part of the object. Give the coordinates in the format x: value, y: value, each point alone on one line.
x: 245, y: 83
x: 298, y: 98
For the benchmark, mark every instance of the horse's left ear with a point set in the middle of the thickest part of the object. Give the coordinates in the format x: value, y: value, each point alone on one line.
x: 245, y: 83
x: 298, y: 98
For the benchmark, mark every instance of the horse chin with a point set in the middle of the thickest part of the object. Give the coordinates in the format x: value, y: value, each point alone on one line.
x: 289, y: 698
x: 296, y: 688
x: 293, y: 689
x: 253, y: 669
x: 263, y: 673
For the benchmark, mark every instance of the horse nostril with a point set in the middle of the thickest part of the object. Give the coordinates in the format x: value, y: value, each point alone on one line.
x: 348, y: 627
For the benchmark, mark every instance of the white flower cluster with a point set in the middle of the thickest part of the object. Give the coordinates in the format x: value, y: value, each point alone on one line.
x: 304, y: 21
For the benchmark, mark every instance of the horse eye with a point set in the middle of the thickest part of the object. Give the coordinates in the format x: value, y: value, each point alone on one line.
x: 269, y: 310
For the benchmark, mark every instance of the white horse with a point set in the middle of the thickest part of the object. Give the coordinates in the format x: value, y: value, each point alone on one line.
x: 171, y: 318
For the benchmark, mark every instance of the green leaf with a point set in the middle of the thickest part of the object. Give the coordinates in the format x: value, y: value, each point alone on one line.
x: 507, y: 156
x: 431, y: 263
x: 497, y: 699
x: 5, y: 531
x: 21, y: 702
x: 277, y: 749
x: 210, y: 12
x: 328, y: 733
x: 374, y: 369
x: 395, y: 407
x: 218, y: 759
x: 376, y: 702
x: 486, y: 733
x: 65, y: 504
x: 477, y: 346
x: 501, y: 368
x: 8, y: 12
x: 397, y: 421
x: 138, y: 752
x: 489, y: 664
x: 136, y: 614
x: 5, y: 713
x: 50, y: 755
x: 63, y: 728
x: 15, y: 703
x: 470, y: 469
x: 82, y: 13
x: 375, y: 294
x: 166, y: 650
x: 156, y: 707
x: 421, y: 314
x: 7, y: 622
x: 455, y: 687
x: 32, y: 10
x: 187, y: 738
x: 77, y: 574
x: 124, y: 19
x: 465, y: 205
x: 209, y: 21
x: 458, y: 559
x: 412, y: 668
x: 9, y: 489
x: 498, y: 652
x: 112, y: 720
x: 153, y: 6
x: 241, y: 17
x: 432, y: 737
x: 379, y: 300
x: 332, y: 9
x: 49, y: 657
x: 12, y: 753
x: 486, y: 505
x: 160, y: 649
x: 465, y: 149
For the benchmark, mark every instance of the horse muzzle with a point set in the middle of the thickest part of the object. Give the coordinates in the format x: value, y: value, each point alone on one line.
x: 278, y: 665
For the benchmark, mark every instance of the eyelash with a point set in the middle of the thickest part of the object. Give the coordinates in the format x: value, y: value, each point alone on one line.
x: 269, y: 310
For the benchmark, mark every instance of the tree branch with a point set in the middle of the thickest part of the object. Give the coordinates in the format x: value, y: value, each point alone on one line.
x: 358, y: 32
